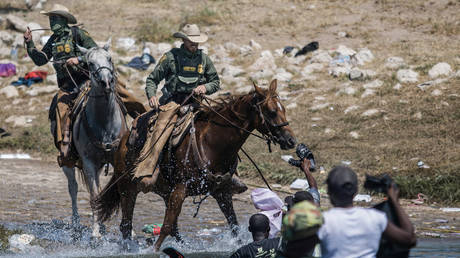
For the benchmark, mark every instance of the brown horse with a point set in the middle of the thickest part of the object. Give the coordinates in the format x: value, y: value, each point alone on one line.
x: 220, y: 133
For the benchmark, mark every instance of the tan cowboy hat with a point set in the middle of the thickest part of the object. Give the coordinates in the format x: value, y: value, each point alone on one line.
x: 192, y: 33
x: 62, y: 11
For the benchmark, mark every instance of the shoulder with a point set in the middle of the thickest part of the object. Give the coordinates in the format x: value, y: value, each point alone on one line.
x: 82, y: 32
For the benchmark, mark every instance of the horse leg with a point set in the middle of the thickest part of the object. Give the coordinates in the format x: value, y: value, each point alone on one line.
x: 128, y: 194
x: 73, y: 191
x: 173, y: 210
x: 224, y: 200
x: 175, y: 228
x: 91, y: 173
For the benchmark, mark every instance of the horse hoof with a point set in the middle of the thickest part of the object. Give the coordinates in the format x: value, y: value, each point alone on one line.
x: 130, y: 246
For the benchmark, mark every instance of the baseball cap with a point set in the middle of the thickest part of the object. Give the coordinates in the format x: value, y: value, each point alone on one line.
x: 342, y: 181
x: 302, y: 221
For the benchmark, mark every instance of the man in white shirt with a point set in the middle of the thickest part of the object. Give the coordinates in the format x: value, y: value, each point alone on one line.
x: 354, y: 231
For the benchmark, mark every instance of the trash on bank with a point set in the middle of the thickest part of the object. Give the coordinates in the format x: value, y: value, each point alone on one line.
x: 31, y: 78
x: 153, y: 229
x: 431, y: 234
x: 362, y: 198
x: 450, y: 209
x: 441, y: 221
x: 422, y: 164
x: 299, y: 184
x: 421, y: 198
x: 141, y: 62
x: 346, y: 162
x: 7, y: 70
x: 15, y: 156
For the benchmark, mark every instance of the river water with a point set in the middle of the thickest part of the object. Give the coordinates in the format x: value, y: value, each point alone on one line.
x: 34, y: 199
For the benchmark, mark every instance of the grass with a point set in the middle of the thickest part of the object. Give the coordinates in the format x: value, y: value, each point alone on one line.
x: 154, y: 30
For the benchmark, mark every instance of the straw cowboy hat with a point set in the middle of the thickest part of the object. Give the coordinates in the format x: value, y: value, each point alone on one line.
x: 192, y: 33
x: 61, y: 11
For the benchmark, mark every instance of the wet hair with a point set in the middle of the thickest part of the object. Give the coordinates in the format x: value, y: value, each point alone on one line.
x: 259, y: 223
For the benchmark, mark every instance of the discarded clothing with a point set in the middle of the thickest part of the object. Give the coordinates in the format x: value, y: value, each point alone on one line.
x: 4, y: 133
x: 310, y: 47
x: 141, y: 63
x: 31, y: 78
x: 34, y: 74
x: 271, y: 206
x: 27, y: 82
x: 7, y: 70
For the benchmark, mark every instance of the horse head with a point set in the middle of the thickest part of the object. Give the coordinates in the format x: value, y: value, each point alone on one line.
x: 271, y: 116
x: 100, y: 66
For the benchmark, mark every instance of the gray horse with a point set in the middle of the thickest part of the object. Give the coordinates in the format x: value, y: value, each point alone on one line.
x: 97, y: 128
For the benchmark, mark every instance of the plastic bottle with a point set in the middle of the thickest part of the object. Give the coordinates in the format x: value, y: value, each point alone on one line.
x: 14, y: 53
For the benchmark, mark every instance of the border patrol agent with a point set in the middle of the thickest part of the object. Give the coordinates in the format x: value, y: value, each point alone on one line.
x: 186, y: 69
x: 61, y: 47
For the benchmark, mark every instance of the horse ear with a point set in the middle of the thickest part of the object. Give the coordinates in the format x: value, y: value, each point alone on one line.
x: 107, y: 44
x: 257, y: 89
x: 273, y: 86
x: 83, y: 50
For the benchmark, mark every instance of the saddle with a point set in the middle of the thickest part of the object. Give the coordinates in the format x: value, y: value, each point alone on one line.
x: 152, y: 132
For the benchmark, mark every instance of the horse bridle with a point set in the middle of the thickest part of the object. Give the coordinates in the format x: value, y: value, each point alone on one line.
x: 268, y: 124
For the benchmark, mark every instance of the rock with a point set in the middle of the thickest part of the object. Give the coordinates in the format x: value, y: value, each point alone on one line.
x: 44, y: 39
x: 345, y: 51
x: 363, y: 56
x: 38, y: 90
x: 354, y: 135
x: 428, y: 84
x: 316, y: 119
x: 320, y: 98
x: 162, y: 48
x: 347, y: 90
x: 178, y: 43
x: 20, y: 121
x: 5, y: 52
x: 291, y: 106
x: 51, y: 79
x: 319, y: 106
x: 261, y: 74
x: 20, y: 243
x: 328, y: 131
x: 16, y: 23
x: 394, y: 62
x: 9, y: 91
x: 35, y: 34
x: 356, y: 74
x: 311, y: 68
x: 230, y: 46
x: 245, y: 50
x: 373, y: 85
x: 339, y: 71
x: 19, y: 40
x: 6, y: 37
x: 370, y: 112
x: 342, y: 34
x: 440, y: 69
x: 436, y: 93
x: 278, y: 52
x: 255, y: 45
x: 282, y: 75
x: 367, y: 93
x: 244, y: 89
x: 350, y: 108
x: 126, y: 43
x: 321, y: 56
x: 230, y: 70
x: 124, y: 70
x: 418, y: 115
x: 397, y: 86
x: 407, y: 75
x: 265, y: 61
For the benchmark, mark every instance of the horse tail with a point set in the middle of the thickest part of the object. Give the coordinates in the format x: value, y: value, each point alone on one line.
x: 108, y: 201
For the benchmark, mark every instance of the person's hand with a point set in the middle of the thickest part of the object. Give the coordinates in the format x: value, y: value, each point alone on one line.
x: 200, y: 90
x: 153, y: 102
x: 305, y: 166
x: 72, y: 61
x: 28, y: 35
x: 393, y: 192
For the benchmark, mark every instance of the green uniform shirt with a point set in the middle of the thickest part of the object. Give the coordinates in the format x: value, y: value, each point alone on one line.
x: 60, y: 47
x: 166, y: 69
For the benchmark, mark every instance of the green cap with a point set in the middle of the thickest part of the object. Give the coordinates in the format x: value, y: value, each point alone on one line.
x: 303, y: 221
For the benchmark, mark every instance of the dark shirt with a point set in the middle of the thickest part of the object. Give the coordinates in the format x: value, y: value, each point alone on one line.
x: 261, y: 249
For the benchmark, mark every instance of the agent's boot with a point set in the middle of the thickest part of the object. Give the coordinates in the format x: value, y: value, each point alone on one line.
x: 237, y: 185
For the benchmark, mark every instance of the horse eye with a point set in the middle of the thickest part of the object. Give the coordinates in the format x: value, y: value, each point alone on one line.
x: 272, y: 113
